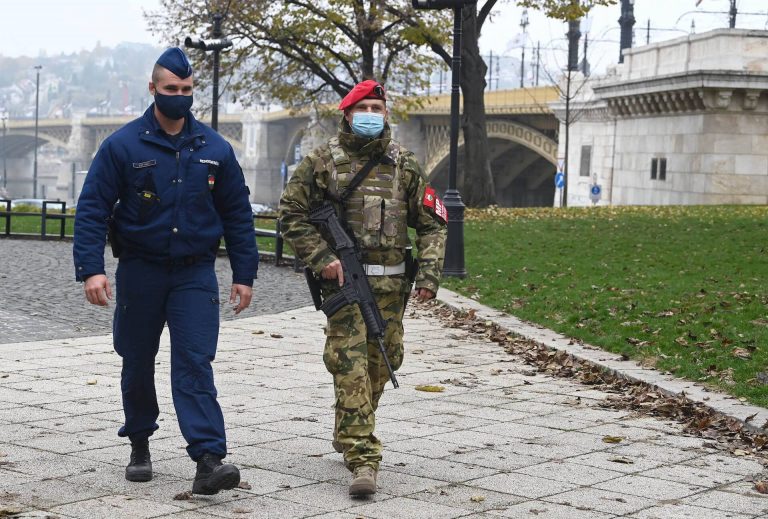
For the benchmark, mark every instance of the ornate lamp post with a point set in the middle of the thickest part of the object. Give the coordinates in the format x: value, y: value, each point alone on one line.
x: 454, y: 247
x: 626, y: 21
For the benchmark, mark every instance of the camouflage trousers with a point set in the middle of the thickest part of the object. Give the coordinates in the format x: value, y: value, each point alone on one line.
x: 359, y: 375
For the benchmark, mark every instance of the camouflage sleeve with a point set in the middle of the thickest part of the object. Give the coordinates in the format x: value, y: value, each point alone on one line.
x: 430, y: 228
x: 297, y: 230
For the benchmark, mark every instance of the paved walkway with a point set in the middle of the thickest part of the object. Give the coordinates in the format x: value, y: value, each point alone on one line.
x: 500, y: 441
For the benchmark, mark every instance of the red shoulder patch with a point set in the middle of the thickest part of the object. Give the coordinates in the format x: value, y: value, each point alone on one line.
x: 433, y: 202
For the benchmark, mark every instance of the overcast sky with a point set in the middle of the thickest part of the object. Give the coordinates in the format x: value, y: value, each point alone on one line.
x: 53, y: 26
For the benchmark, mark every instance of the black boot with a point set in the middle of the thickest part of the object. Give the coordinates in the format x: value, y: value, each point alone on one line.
x: 140, y: 466
x: 213, y: 476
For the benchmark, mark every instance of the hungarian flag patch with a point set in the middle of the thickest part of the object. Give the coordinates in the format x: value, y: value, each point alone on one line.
x: 432, y: 201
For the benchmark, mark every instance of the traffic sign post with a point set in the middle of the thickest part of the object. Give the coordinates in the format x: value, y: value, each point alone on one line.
x: 559, y: 180
x: 595, y: 191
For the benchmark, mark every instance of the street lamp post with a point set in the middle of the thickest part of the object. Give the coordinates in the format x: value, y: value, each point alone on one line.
x: 524, y: 25
x: 4, y: 118
x: 626, y: 21
x: 37, y: 116
x: 454, y: 247
x: 216, y: 45
x: 732, y: 15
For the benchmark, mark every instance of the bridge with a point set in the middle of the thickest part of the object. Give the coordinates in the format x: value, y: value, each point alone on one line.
x: 522, y: 132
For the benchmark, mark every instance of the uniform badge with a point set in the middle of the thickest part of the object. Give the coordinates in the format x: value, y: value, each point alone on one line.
x: 433, y: 202
x: 211, y: 181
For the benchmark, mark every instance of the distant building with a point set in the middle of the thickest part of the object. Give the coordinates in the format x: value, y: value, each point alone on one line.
x: 683, y: 121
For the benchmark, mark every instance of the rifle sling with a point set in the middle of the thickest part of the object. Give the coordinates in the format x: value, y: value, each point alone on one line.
x: 360, y: 176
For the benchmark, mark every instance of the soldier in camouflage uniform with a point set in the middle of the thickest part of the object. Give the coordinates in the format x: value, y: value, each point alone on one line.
x: 395, y: 195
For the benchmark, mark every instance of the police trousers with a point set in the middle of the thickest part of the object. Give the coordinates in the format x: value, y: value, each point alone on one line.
x: 360, y: 374
x: 186, y: 297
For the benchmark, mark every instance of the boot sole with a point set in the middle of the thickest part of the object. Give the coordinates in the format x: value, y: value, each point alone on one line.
x: 223, y: 479
x: 139, y: 476
x: 362, y: 490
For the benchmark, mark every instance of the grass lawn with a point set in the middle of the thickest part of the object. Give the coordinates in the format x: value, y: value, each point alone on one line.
x: 679, y: 288
x: 31, y: 225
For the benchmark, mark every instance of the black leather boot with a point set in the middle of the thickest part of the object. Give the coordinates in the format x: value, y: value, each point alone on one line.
x: 140, y: 466
x: 212, y: 475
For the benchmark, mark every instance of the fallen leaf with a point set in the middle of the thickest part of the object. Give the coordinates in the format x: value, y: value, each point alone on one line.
x: 184, y: 496
x: 495, y: 371
x: 477, y: 499
x: 244, y: 485
x: 258, y: 332
x: 613, y: 439
x: 430, y: 389
x: 739, y: 452
x: 417, y: 352
x: 275, y: 335
x: 9, y: 512
x: 625, y: 461
x: 92, y: 382
x: 241, y: 511
x: 761, y: 486
x: 741, y: 353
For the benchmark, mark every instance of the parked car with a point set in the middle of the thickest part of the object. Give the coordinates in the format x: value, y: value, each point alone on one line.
x: 260, y: 208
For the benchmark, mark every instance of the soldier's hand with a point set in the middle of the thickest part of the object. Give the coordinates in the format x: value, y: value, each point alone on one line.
x: 244, y: 293
x: 422, y: 294
x: 333, y: 271
x: 97, y: 290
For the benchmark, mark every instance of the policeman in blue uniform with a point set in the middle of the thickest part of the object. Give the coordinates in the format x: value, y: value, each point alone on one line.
x: 168, y: 188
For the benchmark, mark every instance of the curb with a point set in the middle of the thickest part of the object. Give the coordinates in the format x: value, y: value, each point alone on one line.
x: 612, y: 363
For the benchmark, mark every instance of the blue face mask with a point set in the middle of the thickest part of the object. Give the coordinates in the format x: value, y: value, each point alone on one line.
x: 173, y: 107
x: 366, y: 124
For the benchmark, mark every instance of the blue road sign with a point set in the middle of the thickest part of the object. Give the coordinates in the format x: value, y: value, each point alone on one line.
x: 594, y: 193
x: 595, y: 190
x: 559, y: 179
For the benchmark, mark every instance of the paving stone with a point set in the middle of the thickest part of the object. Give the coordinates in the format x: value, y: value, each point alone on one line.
x: 109, y: 507
x: 535, y: 509
x: 467, y: 497
x: 602, y: 501
x: 645, y: 486
x: 731, y: 502
x: 735, y: 465
x: 407, y: 507
x: 679, y: 511
x: 523, y: 485
x: 566, y: 472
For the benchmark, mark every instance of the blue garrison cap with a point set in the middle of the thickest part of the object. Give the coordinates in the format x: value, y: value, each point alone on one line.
x: 176, y: 61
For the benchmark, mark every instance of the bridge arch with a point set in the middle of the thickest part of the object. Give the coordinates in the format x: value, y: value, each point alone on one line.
x: 28, y: 143
x: 534, y: 140
x: 523, y: 161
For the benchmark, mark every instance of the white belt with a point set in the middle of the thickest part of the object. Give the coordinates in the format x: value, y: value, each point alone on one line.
x: 384, y: 270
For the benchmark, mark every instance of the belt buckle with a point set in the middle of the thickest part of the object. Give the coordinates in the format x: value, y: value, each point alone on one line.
x: 375, y: 270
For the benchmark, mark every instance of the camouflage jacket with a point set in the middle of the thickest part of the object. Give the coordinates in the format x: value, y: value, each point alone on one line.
x: 314, y: 180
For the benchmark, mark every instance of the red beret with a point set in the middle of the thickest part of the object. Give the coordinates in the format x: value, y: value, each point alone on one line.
x: 368, y: 89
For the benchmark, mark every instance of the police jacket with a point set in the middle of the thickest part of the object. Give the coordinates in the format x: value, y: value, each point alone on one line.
x: 168, y: 202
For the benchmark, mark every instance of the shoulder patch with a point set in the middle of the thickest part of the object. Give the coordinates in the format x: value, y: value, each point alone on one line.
x: 436, y: 206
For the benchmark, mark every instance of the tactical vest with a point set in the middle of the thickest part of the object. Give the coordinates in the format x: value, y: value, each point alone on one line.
x: 377, y: 211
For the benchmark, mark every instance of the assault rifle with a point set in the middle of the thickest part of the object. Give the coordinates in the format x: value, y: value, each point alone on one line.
x: 356, y: 289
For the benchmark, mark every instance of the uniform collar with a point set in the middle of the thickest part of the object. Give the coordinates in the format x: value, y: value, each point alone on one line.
x: 150, y: 129
x: 358, y: 145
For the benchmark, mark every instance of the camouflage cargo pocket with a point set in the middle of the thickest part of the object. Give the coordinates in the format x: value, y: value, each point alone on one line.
x: 393, y: 228
x: 373, y: 215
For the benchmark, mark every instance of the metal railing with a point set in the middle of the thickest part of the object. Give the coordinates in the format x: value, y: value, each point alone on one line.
x: 45, y: 215
x: 61, y: 215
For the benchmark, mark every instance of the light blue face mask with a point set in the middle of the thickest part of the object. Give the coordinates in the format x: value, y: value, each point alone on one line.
x: 367, y: 124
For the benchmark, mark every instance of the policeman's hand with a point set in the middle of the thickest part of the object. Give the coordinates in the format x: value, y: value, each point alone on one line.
x: 97, y: 290
x: 244, y: 292
x: 422, y: 294
x: 333, y: 271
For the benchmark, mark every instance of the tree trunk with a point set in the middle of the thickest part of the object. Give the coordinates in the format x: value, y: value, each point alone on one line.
x: 475, y: 179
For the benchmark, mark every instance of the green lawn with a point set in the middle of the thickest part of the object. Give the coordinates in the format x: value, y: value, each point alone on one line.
x: 679, y: 288
x: 31, y: 225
